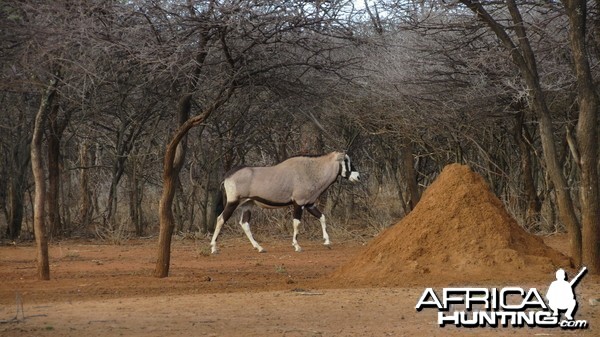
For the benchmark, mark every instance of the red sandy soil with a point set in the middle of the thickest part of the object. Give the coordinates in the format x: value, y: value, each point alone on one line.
x: 108, y: 290
x: 459, y: 235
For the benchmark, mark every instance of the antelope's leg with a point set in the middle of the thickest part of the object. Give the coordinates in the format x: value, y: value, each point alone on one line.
x: 245, y: 223
x: 312, y: 209
x: 213, y: 242
x: 227, y: 212
x: 296, y: 223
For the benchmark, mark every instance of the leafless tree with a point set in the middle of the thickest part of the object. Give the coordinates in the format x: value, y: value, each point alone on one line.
x: 587, y: 134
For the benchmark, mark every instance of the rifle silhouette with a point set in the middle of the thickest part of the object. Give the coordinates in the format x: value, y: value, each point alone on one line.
x: 577, y: 277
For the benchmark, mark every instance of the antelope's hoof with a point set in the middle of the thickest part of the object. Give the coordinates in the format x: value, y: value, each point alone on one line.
x: 214, y: 251
x: 261, y: 250
x: 297, y: 248
x: 327, y: 243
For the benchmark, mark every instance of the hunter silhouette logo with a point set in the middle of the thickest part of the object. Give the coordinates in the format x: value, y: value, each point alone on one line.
x: 508, y: 306
x: 561, y: 293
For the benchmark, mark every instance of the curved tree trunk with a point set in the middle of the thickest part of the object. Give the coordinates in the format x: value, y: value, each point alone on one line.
x: 175, y: 153
x: 39, y: 227
x: 172, y: 163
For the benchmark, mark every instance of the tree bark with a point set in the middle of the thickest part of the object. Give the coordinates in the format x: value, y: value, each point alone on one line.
x: 124, y: 144
x: 56, y: 129
x: 39, y: 227
x: 17, y: 184
x: 86, y: 209
x: 212, y: 193
x: 16, y: 193
x: 587, y: 136
x: 533, y: 205
x: 172, y: 163
x: 136, y: 193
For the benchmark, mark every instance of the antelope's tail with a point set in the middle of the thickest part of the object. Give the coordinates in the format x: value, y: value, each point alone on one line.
x: 220, y: 204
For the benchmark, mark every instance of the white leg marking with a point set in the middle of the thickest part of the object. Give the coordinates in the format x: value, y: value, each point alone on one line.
x: 213, y: 242
x: 246, y: 228
x: 324, y: 226
x: 295, y: 237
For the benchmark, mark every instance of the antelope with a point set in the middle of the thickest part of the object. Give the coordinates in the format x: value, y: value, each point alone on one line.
x: 297, y: 181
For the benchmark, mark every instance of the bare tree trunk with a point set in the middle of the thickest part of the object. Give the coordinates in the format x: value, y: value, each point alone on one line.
x: 54, y: 221
x: 172, y: 164
x: 37, y: 166
x: 523, y: 57
x: 17, y: 184
x: 125, y: 139
x: 173, y: 161
x: 192, y: 202
x: 178, y: 208
x: 400, y: 189
x: 408, y: 165
x: 136, y: 193
x: 16, y: 193
x: 133, y: 217
x: 167, y: 221
x: 85, y: 212
x: 54, y: 136
x: 212, y: 192
x: 533, y: 205
x: 587, y: 136
x: 118, y: 169
x: 563, y: 197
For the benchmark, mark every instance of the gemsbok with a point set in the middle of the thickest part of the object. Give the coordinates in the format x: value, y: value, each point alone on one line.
x: 297, y: 181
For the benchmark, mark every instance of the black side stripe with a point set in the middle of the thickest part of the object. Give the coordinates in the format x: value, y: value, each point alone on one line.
x: 271, y: 203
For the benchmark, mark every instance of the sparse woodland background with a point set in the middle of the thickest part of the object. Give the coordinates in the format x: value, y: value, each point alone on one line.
x: 406, y: 87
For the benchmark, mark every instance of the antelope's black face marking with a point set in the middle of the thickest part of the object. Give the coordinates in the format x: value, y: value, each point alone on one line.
x: 348, y: 171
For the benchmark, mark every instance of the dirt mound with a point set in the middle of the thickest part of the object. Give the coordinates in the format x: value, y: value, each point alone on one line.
x: 458, y: 233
